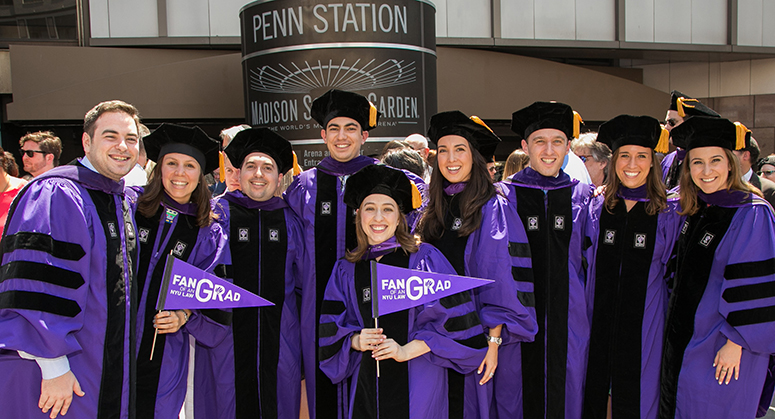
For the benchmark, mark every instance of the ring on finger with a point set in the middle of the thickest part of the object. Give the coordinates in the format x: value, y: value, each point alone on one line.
x: 492, y: 374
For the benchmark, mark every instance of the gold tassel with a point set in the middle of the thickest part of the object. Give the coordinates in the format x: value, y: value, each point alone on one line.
x: 416, y: 197
x: 663, y: 146
x: 296, y: 167
x: 681, y: 103
x: 742, y: 131
x: 479, y: 121
x: 577, y: 121
x: 372, y: 115
x: 221, y: 167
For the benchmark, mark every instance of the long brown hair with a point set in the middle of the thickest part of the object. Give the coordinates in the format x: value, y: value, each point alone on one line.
x: 655, y: 189
x: 151, y: 198
x: 688, y: 192
x: 478, y: 191
x: 407, y: 241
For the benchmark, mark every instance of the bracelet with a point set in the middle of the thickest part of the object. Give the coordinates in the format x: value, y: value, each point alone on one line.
x: 495, y: 339
x: 185, y: 315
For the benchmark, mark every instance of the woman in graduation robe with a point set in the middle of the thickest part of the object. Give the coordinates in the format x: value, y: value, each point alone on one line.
x: 174, y: 217
x: 719, y: 328
x: 416, y: 346
x: 468, y: 221
x: 627, y: 291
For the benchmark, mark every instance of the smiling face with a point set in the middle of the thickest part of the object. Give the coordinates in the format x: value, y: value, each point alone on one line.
x: 344, y: 137
x: 547, y: 149
x: 114, y: 148
x: 633, y: 164
x: 231, y: 174
x: 180, y: 176
x: 379, y: 217
x: 709, y: 168
x: 259, y: 178
x: 454, y: 158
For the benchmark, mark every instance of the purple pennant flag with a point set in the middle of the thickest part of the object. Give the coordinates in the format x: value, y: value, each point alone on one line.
x: 186, y: 286
x: 396, y: 289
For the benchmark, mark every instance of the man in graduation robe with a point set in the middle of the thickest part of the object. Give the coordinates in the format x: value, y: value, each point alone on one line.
x: 547, y: 375
x: 256, y: 371
x: 681, y: 108
x: 747, y: 157
x: 316, y: 196
x: 67, y: 289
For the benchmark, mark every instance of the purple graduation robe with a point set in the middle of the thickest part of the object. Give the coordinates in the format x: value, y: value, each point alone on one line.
x: 723, y: 290
x: 627, y: 295
x: 671, y: 168
x: 162, y: 382
x: 256, y: 371
x: 67, y: 287
x: 317, y: 198
x: 413, y: 389
x: 554, y: 212
x: 494, y: 251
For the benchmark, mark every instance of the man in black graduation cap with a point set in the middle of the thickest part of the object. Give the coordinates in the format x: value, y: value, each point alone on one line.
x: 682, y: 107
x: 256, y: 371
x: 747, y: 157
x: 317, y: 198
x: 553, y: 208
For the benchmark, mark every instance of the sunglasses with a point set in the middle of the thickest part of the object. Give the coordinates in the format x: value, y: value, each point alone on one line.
x: 31, y: 153
x: 585, y: 158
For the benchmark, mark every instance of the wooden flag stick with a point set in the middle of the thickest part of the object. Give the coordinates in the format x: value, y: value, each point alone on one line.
x: 376, y: 326
x: 155, y: 334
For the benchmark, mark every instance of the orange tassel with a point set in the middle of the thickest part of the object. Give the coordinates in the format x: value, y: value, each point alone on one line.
x: 681, y: 103
x: 296, y: 167
x: 663, y: 146
x: 221, y: 167
x: 480, y: 122
x: 372, y: 115
x: 741, y: 132
x: 416, y: 197
x: 577, y: 121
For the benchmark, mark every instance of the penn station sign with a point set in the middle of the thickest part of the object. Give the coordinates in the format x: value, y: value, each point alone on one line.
x: 295, y: 50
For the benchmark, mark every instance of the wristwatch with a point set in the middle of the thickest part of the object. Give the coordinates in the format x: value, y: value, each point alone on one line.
x: 495, y: 339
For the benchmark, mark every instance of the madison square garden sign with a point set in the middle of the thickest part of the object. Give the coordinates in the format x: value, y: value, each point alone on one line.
x: 295, y: 50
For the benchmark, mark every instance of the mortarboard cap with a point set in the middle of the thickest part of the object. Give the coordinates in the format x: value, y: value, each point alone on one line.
x: 335, y: 103
x: 261, y: 140
x: 191, y: 141
x: 543, y: 115
x: 473, y: 129
x: 643, y: 131
x: 706, y: 131
x: 688, y: 106
x: 381, y: 179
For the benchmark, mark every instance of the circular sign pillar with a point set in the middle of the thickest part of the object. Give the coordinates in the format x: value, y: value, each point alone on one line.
x: 295, y: 50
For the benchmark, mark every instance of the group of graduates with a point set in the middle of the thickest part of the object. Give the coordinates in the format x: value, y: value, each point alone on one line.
x: 626, y: 301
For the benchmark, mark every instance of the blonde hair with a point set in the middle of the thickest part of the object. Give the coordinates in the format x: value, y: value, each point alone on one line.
x: 516, y: 161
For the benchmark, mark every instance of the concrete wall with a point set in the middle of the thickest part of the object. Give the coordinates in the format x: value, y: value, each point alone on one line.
x: 493, y: 85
